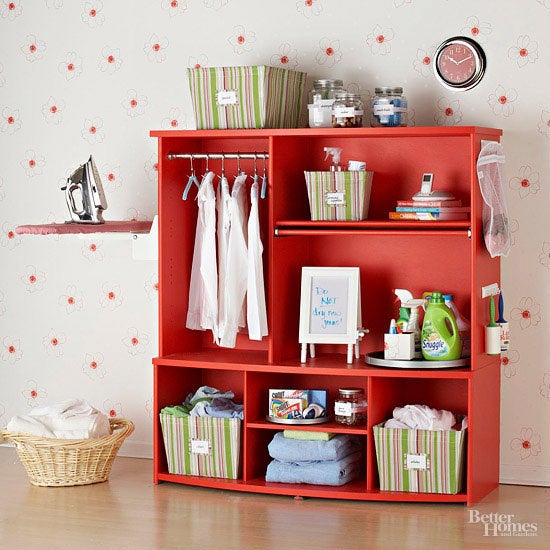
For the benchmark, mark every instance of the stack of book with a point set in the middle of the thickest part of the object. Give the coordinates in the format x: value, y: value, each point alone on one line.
x: 430, y: 210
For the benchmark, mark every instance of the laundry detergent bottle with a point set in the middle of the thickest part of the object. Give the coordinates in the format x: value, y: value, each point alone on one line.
x: 440, y: 335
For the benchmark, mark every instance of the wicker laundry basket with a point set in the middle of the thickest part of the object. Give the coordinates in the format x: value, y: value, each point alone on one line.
x: 66, y: 462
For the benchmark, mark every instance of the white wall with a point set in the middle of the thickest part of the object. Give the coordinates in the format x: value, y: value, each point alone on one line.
x: 144, y: 87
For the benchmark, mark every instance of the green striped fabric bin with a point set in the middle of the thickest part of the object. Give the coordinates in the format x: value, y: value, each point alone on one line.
x: 341, y: 195
x: 420, y: 461
x: 202, y: 446
x: 257, y: 96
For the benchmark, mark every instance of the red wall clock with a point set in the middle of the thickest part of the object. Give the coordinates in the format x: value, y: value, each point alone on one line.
x: 459, y: 63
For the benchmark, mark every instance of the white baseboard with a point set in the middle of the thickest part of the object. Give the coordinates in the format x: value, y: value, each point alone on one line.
x: 514, y: 474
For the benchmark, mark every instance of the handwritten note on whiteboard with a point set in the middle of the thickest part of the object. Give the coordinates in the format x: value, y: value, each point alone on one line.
x: 329, y: 305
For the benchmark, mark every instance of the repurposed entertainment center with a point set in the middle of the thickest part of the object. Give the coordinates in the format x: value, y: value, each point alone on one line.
x: 416, y: 255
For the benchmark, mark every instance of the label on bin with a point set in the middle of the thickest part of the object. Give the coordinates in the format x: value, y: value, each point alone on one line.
x: 335, y: 199
x: 200, y: 446
x: 416, y: 462
x: 226, y: 97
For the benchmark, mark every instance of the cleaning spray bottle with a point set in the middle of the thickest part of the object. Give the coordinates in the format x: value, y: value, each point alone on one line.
x: 335, y: 152
x: 409, y: 318
x: 438, y: 342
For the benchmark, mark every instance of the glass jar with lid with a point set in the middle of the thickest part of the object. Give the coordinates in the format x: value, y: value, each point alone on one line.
x: 350, y: 407
x: 389, y: 107
x: 347, y: 111
x: 320, y: 100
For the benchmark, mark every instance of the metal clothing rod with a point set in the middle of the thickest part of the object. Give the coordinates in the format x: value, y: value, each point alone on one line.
x: 193, y: 156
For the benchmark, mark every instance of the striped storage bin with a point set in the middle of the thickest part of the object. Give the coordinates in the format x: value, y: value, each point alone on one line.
x: 202, y: 446
x: 420, y: 461
x: 341, y: 196
x: 246, y: 97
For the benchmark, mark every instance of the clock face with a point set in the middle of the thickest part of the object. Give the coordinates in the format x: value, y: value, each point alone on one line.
x: 459, y: 63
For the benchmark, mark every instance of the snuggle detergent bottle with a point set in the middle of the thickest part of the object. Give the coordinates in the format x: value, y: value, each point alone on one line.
x: 440, y: 336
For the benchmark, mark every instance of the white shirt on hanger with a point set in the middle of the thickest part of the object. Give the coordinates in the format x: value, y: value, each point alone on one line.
x: 256, y: 310
x: 202, y: 312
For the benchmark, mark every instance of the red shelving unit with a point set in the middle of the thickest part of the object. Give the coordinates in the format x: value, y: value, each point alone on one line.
x: 390, y: 254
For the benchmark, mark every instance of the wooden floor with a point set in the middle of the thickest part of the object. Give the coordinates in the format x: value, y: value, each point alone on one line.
x: 130, y: 512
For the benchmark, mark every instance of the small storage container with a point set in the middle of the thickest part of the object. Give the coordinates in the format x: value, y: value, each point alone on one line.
x: 420, y: 461
x: 246, y: 97
x: 202, y: 446
x: 341, y: 195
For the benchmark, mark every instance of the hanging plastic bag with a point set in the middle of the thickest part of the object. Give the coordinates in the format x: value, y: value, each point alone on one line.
x: 496, y: 224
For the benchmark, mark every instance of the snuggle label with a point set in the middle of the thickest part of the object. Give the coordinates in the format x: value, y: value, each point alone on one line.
x: 432, y: 343
x: 226, y: 97
x: 200, y: 446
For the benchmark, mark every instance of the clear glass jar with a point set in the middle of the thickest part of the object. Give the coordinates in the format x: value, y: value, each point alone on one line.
x: 350, y: 407
x: 320, y: 100
x: 389, y: 107
x: 347, y: 111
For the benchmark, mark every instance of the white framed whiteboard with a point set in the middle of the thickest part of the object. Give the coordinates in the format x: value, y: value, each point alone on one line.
x: 330, y: 305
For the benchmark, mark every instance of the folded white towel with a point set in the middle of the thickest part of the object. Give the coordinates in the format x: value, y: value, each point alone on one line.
x: 72, y: 419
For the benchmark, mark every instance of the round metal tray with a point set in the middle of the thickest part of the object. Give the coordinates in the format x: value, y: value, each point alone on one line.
x: 376, y: 358
x: 298, y: 421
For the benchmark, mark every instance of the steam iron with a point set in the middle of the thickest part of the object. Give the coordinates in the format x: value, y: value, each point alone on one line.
x: 84, y: 195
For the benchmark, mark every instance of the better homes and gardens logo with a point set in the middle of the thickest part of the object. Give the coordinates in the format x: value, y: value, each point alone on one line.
x: 502, y: 525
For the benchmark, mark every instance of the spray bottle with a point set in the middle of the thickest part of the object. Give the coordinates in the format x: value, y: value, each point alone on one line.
x: 409, y: 318
x: 335, y: 152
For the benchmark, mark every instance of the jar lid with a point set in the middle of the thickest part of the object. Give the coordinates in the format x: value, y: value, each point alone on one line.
x: 347, y: 95
x: 389, y: 90
x: 327, y: 82
x: 350, y: 391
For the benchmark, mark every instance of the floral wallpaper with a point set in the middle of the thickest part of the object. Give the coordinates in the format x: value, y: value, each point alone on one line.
x: 78, y: 316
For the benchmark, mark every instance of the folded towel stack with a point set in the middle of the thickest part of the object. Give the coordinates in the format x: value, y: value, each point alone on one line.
x: 72, y: 419
x: 332, y: 462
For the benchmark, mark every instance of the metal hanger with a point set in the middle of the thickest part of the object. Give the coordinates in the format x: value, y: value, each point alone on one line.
x: 264, y: 181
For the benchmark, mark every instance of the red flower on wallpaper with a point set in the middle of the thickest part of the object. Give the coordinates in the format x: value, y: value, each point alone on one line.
x: 33, y: 164
x: 174, y: 7
x: 476, y: 29
x: 175, y: 120
x: 286, y: 57
x: 155, y: 48
x: 10, y: 121
x: 135, y: 341
x: 502, y: 101
x: 92, y: 14
x: 112, y: 410
x: 526, y: 182
x: 71, y: 67
x: 93, y: 366
x: 34, y: 279
x: 379, y: 40
x: 527, y: 444
x: 528, y: 313
x: 509, y: 361
x: 93, y: 251
x: 111, y: 177
x: 111, y: 296
x: 423, y: 63
x: 151, y: 287
x: 198, y: 62
x: 92, y: 130
x: 53, y: 110
x: 11, y: 351
x: 134, y: 103
x: 33, y: 48
x: 33, y: 394
x: 8, y: 237
x: 525, y: 51
x: 53, y: 343
x: 110, y: 60
x: 241, y: 39
x: 329, y: 53
x: 71, y: 301
x: 450, y: 113
x: 309, y: 8
x: 151, y: 167
x: 10, y: 9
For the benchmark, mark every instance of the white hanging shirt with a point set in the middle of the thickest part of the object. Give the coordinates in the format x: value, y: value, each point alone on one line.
x: 236, y: 267
x: 202, y: 312
x: 256, y: 314
x: 224, y: 223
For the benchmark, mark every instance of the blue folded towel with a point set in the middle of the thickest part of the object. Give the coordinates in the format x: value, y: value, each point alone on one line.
x: 291, y: 450
x: 316, y: 472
